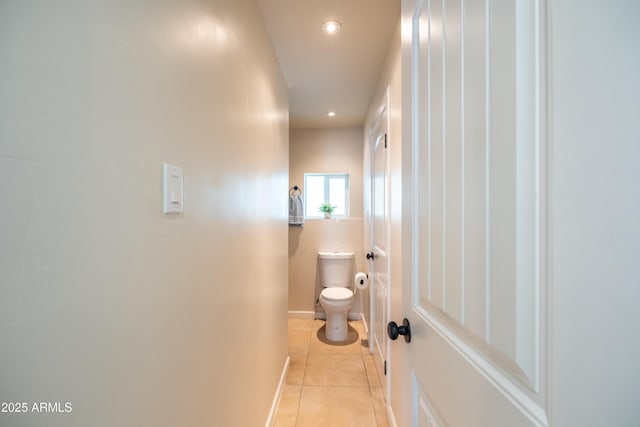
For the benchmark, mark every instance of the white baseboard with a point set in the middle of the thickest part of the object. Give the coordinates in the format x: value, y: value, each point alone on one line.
x: 390, y: 417
x: 354, y: 316
x: 321, y: 315
x: 276, y: 399
x: 364, y: 322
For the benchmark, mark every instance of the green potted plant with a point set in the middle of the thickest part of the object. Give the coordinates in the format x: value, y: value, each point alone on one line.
x: 327, y: 209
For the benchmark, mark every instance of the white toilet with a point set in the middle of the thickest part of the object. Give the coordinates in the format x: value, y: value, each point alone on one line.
x: 336, y: 298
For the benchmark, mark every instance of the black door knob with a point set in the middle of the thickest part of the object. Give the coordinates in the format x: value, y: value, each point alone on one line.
x: 393, y: 330
x: 371, y: 255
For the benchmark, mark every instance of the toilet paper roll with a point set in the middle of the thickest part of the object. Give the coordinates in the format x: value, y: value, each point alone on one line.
x: 361, y: 280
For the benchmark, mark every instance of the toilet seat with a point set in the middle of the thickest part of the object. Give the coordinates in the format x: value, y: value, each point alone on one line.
x: 336, y: 294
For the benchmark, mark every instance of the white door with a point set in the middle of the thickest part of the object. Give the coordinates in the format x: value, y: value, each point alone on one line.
x: 475, y: 287
x: 379, y: 265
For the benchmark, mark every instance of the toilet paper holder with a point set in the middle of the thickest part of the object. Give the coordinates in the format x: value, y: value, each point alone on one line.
x: 361, y: 280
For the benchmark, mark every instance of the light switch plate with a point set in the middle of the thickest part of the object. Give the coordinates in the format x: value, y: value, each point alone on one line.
x: 172, y: 189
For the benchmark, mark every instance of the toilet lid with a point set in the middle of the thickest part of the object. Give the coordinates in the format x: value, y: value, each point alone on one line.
x: 336, y: 294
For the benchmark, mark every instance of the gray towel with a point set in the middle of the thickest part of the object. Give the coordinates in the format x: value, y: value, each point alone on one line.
x: 296, y: 215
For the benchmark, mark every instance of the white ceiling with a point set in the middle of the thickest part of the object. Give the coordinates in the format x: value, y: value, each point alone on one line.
x: 330, y: 73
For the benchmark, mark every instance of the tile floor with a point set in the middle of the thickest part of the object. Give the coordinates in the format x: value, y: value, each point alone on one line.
x: 329, y: 384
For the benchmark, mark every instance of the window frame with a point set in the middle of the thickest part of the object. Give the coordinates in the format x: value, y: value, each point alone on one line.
x: 315, y: 214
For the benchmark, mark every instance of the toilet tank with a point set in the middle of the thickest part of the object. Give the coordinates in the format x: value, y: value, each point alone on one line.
x: 335, y: 269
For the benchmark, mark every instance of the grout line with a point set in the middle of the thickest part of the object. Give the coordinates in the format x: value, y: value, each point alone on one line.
x: 295, y: 422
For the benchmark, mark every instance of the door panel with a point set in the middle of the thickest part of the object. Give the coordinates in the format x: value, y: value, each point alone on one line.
x: 426, y: 416
x: 476, y: 295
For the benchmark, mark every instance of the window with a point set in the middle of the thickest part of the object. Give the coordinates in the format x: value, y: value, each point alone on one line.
x: 322, y: 188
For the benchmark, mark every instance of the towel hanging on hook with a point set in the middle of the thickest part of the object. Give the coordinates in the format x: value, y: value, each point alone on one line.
x: 296, y: 209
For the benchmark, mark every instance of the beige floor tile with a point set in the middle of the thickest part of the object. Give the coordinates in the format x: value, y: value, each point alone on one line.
x: 297, y: 366
x: 335, y: 369
x: 379, y: 407
x: 372, y: 373
x: 358, y: 326
x: 364, y: 349
x: 288, y: 408
x: 299, y: 341
x: 318, y: 323
x: 301, y: 324
x: 335, y: 406
x: 320, y: 344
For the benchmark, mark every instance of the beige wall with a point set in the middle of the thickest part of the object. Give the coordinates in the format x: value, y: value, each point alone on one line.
x: 134, y: 317
x: 324, y: 151
x: 390, y: 79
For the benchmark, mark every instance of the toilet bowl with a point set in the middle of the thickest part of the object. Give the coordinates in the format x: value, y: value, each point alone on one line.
x: 336, y: 298
x: 336, y: 303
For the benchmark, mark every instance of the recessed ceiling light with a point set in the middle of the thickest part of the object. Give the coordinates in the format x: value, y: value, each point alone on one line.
x: 331, y: 27
x: 331, y: 113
